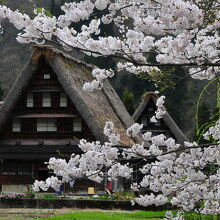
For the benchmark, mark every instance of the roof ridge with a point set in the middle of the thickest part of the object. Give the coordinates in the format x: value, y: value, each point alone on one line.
x: 59, y: 52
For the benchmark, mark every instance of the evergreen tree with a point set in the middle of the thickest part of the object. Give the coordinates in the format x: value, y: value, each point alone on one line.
x: 128, y: 100
x: 203, y: 121
x: 204, y: 114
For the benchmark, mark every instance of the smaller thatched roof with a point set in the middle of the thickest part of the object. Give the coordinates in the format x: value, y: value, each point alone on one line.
x: 95, y: 108
x: 170, y: 123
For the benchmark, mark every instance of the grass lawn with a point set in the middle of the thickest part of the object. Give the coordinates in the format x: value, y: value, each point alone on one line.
x: 70, y: 214
x: 67, y: 214
x: 138, y: 215
x: 109, y: 215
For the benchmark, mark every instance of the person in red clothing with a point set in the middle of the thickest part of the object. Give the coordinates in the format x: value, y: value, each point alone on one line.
x: 109, y: 186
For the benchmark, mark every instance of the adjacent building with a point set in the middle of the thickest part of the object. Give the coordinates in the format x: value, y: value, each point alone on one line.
x: 166, y: 125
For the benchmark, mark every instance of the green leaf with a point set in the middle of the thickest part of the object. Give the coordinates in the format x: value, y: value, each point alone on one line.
x: 47, y: 12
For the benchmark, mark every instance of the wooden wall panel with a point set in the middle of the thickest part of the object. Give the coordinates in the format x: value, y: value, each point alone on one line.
x: 18, y: 179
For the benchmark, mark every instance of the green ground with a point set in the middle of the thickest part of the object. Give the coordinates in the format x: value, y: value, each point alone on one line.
x: 123, y: 216
x: 76, y: 214
x: 109, y: 215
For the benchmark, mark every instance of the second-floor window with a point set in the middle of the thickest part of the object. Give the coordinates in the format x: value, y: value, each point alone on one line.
x: 77, y: 124
x: 46, y: 76
x: 63, y: 100
x: 46, y: 100
x: 144, y: 120
x: 30, y: 100
x: 13, y: 168
x: 46, y: 124
x: 158, y: 123
x: 16, y: 125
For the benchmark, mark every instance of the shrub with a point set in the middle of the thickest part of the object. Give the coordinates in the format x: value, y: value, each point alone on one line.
x: 105, y: 198
x: 47, y: 196
x: 30, y: 194
x: 125, y: 195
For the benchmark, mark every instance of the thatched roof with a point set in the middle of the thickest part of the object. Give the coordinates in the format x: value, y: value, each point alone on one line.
x: 170, y: 123
x: 95, y: 108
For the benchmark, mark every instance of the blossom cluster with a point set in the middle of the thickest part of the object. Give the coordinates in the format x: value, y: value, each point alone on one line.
x: 213, y: 132
x: 90, y: 164
x: 100, y: 75
x: 161, y: 110
x: 53, y: 182
x: 134, y: 130
x: 109, y: 131
x: 175, y: 30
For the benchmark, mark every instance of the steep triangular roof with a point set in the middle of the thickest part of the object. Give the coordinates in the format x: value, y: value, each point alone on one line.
x: 95, y: 108
x: 170, y: 123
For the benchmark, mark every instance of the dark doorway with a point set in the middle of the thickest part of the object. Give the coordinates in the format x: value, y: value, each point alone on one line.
x: 43, y: 175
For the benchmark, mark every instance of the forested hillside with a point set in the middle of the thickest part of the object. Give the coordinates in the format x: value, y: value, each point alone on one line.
x: 181, y: 92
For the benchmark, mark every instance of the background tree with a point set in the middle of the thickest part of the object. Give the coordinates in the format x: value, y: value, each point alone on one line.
x: 128, y: 100
x: 1, y: 93
x: 203, y: 121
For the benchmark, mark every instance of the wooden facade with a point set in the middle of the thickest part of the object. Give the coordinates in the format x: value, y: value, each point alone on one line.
x: 22, y: 170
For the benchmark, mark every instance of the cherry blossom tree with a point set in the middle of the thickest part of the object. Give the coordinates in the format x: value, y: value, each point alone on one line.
x: 181, y: 33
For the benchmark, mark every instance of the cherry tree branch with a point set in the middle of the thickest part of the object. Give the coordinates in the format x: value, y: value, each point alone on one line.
x: 183, y: 148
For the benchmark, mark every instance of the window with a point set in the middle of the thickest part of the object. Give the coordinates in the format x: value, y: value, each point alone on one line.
x: 158, y: 123
x: 63, y: 100
x: 9, y: 168
x: 46, y: 101
x: 77, y: 124
x: 24, y: 168
x: 12, y: 168
x: 16, y: 125
x: 46, y: 76
x: 30, y: 100
x: 46, y: 124
x: 151, y: 110
x: 144, y: 121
